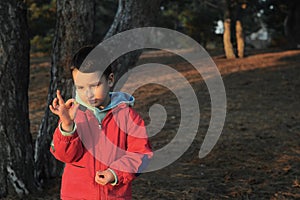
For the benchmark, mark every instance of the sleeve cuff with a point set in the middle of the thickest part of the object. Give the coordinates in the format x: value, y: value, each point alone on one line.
x: 64, y: 133
x: 115, y: 175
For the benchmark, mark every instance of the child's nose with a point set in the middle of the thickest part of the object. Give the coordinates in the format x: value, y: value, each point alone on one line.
x: 89, y: 93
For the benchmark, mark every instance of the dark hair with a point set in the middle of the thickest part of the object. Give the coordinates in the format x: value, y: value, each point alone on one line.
x: 86, y: 64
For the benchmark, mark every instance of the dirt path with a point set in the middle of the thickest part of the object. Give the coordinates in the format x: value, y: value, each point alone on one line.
x: 258, y: 153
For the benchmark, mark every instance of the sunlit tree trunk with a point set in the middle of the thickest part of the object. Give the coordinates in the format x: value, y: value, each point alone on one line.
x: 74, y: 29
x: 233, y: 18
x: 16, y: 151
x: 239, y: 38
x: 228, y: 48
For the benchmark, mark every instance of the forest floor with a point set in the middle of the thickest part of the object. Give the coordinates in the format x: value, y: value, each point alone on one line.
x: 258, y: 153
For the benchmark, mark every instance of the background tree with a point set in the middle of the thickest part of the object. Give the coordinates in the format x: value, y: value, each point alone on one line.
x: 239, y: 33
x: 41, y: 21
x: 131, y: 14
x: 196, y: 18
x: 228, y: 47
x: 105, y: 15
x: 199, y: 19
x: 16, y: 152
x: 74, y: 29
x: 233, y: 28
x: 292, y: 24
x: 269, y: 15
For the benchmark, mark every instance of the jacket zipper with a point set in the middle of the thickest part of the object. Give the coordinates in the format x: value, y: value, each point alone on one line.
x: 101, y: 188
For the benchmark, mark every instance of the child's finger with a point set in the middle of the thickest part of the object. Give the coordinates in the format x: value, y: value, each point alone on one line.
x: 59, y: 97
x: 69, y: 103
x: 52, y: 109
x: 54, y: 103
x: 99, y: 174
x: 100, y: 179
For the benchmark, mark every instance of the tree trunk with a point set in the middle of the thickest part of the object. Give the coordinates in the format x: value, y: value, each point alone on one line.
x: 239, y: 38
x: 292, y: 24
x: 16, y: 152
x: 228, y: 48
x: 233, y: 29
x: 74, y: 29
x: 131, y: 14
x: 239, y: 11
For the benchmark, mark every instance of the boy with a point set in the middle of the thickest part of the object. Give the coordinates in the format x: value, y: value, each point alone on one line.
x: 100, y: 138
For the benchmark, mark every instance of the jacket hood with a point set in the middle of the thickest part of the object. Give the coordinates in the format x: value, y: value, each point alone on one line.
x: 116, y: 98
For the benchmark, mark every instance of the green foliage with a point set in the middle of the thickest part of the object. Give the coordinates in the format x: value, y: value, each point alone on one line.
x: 274, y: 13
x: 105, y: 13
x: 199, y: 24
x: 268, y: 13
x: 41, y: 21
x: 195, y: 18
x: 41, y: 44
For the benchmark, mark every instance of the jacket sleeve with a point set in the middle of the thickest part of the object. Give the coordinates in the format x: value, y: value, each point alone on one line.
x: 138, y: 151
x: 67, y: 148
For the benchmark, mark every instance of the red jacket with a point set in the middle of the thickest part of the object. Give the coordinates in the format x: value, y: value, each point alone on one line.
x: 120, y: 144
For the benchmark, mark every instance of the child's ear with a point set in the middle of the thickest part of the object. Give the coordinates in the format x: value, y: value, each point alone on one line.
x: 111, y: 79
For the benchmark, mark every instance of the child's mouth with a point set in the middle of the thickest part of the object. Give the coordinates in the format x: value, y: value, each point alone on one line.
x: 92, y: 101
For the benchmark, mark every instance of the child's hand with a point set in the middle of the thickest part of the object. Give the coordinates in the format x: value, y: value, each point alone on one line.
x: 65, y: 111
x: 104, y: 177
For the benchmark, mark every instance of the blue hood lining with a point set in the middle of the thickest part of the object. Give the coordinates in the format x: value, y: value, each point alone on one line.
x: 116, y: 98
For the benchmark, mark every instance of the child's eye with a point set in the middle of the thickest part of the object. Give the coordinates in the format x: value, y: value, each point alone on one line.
x: 79, y: 88
x: 93, y: 86
x: 98, y: 84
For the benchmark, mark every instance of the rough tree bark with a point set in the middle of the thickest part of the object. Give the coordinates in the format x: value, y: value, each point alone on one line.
x: 238, y: 18
x: 74, y: 29
x: 292, y: 24
x: 131, y: 14
x: 233, y: 25
x: 228, y: 47
x: 16, y: 151
x: 239, y: 38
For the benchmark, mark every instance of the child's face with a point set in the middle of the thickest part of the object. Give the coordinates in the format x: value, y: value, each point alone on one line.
x: 92, y: 88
